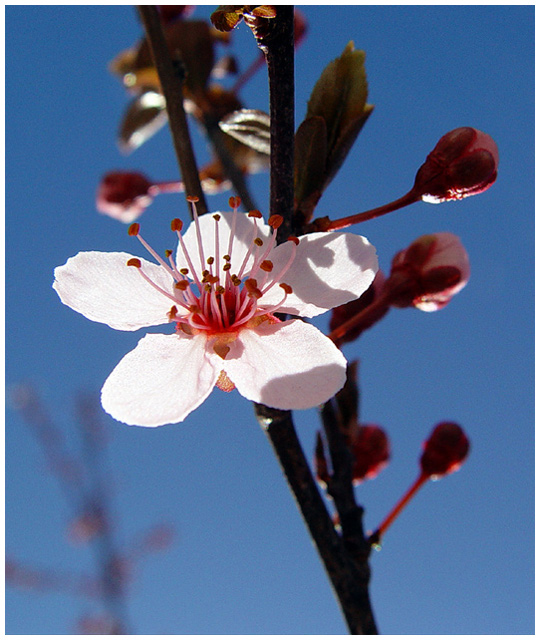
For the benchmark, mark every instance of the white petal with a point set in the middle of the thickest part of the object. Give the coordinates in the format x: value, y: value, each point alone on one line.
x: 329, y: 269
x: 289, y: 365
x: 103, y: 288
x: 161, y: 381
x: 243, y: 240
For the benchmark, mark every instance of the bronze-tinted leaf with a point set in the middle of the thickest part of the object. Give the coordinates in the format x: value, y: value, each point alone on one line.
x: 263, y: 11
x: 345, y: 142
x: 339, y: 97
x: 309, y: 164
x: 249, y: 126
x: 145, y: 115
x: 227, y: 16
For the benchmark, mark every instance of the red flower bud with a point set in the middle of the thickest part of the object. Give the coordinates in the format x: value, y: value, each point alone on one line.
x: 429, y: 272
x: 444, y: 450
x: 123, y: 195
x: 463, y: 163
x: 371, y: 451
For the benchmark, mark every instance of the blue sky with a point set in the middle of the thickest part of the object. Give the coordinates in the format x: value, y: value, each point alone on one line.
x: 460, y: 559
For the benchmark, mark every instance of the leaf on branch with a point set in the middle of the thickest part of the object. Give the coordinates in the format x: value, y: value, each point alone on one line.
x: 249, y: 126
x: 339, y: 97
x: 227, y: 16
x: 145, y: 115
x: 309, y: 164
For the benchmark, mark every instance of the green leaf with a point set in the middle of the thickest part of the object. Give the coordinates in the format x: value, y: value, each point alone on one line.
x: 339, y: 97
x: 309, y: 165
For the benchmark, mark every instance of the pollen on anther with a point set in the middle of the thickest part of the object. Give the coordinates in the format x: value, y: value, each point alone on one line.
x: 236, y: 280
x: 210, y: 260
x: 286, y: 287
x: 134, y: 262
x: 172, y: 313
x: 134, y: 229
x: 255, y: 213
x: 194, y: 308
x: 252, y: 289
x: 176, y: 224
x: 184, y: 271
x: 227, y: 257
x: 217, y: 217
x: 258, y: 242
x: 192, y: 199
x: 182, y: 285
x: 227, y: 266
x: 220, y: 290
x: 294, y: 239
x: 168, y: 253
x: 275, y: 221
x: 267, y: 265
x: 234, y: 202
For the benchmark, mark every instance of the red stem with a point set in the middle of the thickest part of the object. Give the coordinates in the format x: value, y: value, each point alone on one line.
x: 402, y: 503
x: 409, y: 198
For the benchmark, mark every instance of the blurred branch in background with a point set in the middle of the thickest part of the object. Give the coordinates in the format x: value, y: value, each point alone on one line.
x: 85, y: 480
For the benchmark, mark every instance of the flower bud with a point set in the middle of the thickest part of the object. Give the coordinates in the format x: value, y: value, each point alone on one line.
x: 429, y: 272
x: 123, y: 195
x: 445, y: 450
x: 463, y: 163
x: 346, y: 311
x: 371, y: 451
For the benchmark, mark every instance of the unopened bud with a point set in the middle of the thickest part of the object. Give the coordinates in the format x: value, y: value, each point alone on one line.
x: 371, y: 451
x: 429, y: 272
x: 445, y: 450
x: 463, y: 163
x: 123, y: 195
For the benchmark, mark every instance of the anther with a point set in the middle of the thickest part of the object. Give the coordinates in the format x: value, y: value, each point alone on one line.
x: 217, y: 217
x: 184, y: 271
x: 234, y: 202
x: 182, y: 285
x: 227, y: 267
x: 286, y: 287
x: 194, y: 308
x: 267, y: 265
x: 168, y: 253
x: 172, y: 313
x: 255, y: 213
x: 220, y: 290
x: 192, y: 199
x: 252, y: 289
x: 227, y: 257
x: 294, y: 239
x: 275, y: 221
x: 134, y: 229
x: 258, y: 242
x: 210, y: 260
x: 176, y: 224
x: 134, y: 262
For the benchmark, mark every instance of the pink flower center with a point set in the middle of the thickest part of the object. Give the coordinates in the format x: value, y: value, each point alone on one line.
x: 214, y: 300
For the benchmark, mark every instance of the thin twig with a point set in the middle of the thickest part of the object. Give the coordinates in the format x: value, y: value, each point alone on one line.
x: 171, y: 80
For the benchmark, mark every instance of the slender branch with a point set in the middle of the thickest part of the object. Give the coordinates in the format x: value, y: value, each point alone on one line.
x: 171, y: 80
x: 278, y: 46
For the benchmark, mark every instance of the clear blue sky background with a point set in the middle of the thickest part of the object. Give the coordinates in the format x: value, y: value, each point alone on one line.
x: 460, y: 559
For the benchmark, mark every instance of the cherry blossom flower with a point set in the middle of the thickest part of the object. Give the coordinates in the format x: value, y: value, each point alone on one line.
x: 222, y: 290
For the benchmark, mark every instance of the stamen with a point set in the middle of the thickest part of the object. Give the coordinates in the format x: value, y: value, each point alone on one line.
x: 286, y: 287
x: 266, y: 265
x: 134, y: 262
x: 133, y: 229
x: 284, y: 270
x: 258, y: 242
x: 275, y: 221
x: 255, y: 213
x: 234, y: 202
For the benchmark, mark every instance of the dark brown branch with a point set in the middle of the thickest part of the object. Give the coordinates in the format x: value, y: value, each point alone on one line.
x: 278, y: 46
x: 171, y: 79
x: 349, y: 583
